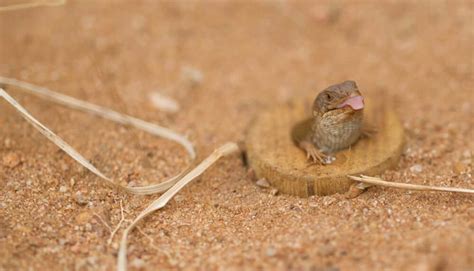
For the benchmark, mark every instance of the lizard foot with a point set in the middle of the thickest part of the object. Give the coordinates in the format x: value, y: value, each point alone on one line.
x: 314, y: 155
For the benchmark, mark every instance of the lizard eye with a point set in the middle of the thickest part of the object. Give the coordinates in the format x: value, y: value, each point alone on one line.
x: 328, y: 96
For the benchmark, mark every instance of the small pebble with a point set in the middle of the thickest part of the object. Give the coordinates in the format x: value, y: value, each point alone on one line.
x: 271, y: 251
x: 137, y: 263
x: 79, y: 198
x: 83, y: 217
x: 192, y: 75
x: 329, y: 160
x: 161, y: 102
x: 88, y: 227
x: 263, y: 183
x: 460, y: 168
x: 62, y: 241
x: 416, y: 168
x: 178, y: 198
x: 63, y: 189
x: 328, y: 201
x: 11, y: 160
x: 7, y: 143
x: 274, y: 192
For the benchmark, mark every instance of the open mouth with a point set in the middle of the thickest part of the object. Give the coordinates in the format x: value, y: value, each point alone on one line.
x: 355, y: 102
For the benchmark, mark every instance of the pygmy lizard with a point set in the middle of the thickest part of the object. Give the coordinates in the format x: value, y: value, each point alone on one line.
x: 336, y: 122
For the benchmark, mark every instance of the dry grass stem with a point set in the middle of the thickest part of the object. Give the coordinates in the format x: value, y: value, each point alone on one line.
x: 176, y: 183
x: 49, y: 3
x: 380, y: 182
x: 104, y: 113
x: 122, y: 219
x: 224, y: 150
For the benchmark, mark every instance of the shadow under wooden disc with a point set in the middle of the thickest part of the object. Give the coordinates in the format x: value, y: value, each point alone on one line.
x: 273, y: 155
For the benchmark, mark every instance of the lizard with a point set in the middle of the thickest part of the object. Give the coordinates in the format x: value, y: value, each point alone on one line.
x: 336, y: 123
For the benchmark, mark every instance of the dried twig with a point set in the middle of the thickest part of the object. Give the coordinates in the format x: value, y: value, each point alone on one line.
x: 33, y: 5
x: 380, y: 182
x: 122, y: 219
x: 224, y: 150
x: 176, y: 183
x: 101, y: 112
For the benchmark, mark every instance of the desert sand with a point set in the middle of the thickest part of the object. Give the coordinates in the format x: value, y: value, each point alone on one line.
x: 224, y: 63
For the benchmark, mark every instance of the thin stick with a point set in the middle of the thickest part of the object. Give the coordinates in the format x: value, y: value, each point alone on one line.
x: 176, y: 183
x: 52, y: 136
x: 161, y: 202
x: 380, y: 182
x: 122, y: 219
x: 33, y: 5
x: 102, y: 112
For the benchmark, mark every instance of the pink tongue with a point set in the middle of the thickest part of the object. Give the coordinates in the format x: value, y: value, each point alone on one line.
x: 356, y: 103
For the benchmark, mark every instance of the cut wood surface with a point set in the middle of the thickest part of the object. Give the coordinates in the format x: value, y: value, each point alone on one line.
x: 274, y: 156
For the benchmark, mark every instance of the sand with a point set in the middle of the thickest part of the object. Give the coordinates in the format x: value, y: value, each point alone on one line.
x: 224, y: 63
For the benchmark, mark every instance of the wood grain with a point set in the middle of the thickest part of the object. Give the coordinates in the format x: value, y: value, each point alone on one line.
x: 273, y: 155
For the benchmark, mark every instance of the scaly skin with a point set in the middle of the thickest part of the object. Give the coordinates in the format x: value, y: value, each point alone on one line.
x: 336, y: 125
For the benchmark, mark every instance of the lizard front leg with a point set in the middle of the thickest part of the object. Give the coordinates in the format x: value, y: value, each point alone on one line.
x: 312, y: 153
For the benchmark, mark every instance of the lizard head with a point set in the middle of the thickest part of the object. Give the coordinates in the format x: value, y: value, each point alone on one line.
x: 344, y: 97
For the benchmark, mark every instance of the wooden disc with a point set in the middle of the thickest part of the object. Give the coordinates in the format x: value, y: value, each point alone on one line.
x: 274, y: 156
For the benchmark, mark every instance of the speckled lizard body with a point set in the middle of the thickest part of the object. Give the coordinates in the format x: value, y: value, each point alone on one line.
x: 336, y: 122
